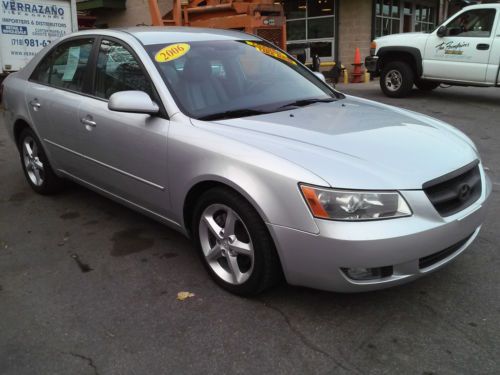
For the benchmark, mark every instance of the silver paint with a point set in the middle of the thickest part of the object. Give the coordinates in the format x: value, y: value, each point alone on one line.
x: 150, y: 164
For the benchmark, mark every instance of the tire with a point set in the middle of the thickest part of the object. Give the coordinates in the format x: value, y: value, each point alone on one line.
x: 241, y: 258
x: 426, y: 85
x: 36, y: 166
x: 396, y: 80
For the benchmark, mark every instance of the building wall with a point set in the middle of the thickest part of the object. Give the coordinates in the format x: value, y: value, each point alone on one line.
x: 355, y: 29
x: 137, y: 13
x: 355, y: 23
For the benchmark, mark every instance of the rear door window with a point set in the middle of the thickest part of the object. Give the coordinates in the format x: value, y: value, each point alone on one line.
x: 66, y: 66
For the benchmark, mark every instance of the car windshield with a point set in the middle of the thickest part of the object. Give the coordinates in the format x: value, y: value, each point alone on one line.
x: 235, y: 78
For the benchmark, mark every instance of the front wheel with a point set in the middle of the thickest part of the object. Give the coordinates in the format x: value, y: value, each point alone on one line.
x: 397, y: 78
x: 234, y: 243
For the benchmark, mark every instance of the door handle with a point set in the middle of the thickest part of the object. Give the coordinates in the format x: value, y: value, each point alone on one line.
x: 483, y: 46
x: 88, y: 122
x: 35, y: 104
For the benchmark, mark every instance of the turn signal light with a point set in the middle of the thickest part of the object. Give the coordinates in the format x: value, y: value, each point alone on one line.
x: 313, y: 201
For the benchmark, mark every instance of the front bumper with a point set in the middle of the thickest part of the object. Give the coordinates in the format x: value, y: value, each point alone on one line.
x: 406, y: 244
x: 371, y: 64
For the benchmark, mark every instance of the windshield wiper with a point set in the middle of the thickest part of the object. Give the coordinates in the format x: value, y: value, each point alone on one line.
x: 244, y: 112
x: 304, y: 102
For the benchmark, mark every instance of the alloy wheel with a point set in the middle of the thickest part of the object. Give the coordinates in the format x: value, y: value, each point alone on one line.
x: 226, y: 244
x: 32, y: 163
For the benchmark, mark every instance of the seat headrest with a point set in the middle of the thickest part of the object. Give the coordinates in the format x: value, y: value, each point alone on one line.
x: 197, y: 69
x: 170, y: 74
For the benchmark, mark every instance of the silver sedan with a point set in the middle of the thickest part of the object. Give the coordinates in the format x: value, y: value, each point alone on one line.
x: 271, y: 172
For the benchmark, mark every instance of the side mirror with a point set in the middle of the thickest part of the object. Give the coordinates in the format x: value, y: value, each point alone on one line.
x: 441, y: 32
x: 133, y: 102
x: 321, y: 76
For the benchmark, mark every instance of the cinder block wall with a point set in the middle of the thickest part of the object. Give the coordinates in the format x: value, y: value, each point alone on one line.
x: 137, y: 12
x: 355, y: 29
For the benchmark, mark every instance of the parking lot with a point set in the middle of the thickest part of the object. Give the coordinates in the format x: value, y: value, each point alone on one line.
x: 89, y: 287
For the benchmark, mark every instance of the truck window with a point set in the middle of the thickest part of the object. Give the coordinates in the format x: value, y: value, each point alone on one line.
x: 476, y: 23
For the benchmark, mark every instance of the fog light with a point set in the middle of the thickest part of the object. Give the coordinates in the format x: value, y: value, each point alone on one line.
x: 360, y: 273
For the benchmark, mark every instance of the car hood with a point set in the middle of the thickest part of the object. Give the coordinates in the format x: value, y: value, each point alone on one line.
x: 356, y: 143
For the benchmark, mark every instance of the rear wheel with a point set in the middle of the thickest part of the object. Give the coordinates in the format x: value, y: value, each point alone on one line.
x: 234, y: 243
x: 36, y: 167
x: 397, y: 78
x: 426, y: 85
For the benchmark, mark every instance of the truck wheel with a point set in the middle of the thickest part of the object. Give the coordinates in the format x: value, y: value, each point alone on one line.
x: 426, y: 85
x: 396, y: 80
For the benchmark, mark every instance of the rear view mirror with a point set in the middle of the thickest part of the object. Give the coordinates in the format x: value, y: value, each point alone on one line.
x: 133, y: 102
x: 441, y: 32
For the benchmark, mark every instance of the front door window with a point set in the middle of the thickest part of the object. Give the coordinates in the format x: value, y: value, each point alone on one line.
x: 476, y: 23
x: 118, y: 70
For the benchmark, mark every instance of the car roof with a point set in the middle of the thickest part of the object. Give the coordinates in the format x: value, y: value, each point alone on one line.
x: 175, y: 34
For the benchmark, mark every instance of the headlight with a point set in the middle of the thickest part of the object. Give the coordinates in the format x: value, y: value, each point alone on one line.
x: 354, y: 205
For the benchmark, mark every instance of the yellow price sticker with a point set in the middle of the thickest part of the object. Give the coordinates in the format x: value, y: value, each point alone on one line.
x: 172, y: 52
x: 271, y: 52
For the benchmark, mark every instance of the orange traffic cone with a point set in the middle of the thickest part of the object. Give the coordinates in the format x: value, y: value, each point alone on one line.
x: 357, y: 71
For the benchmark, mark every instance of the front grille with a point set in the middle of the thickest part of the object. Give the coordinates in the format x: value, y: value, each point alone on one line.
x: 429, y: 260
x: 455, y: 191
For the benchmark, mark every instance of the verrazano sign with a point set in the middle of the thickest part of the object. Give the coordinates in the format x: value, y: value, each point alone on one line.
x: 16, y: 6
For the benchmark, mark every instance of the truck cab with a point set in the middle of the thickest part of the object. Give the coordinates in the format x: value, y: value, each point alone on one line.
x: 463, y: 51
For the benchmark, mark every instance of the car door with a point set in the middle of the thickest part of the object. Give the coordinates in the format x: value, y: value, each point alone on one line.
x: 125, y: 154
x: 463, y: 53
x: 57, y: 85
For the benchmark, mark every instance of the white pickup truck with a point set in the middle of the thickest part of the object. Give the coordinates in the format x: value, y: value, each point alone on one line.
x: 463, y: 51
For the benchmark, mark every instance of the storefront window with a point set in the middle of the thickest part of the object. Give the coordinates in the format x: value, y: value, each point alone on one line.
x: 395, y: 9
x: 320, y: 28
x: 296, y: 30
x: 388, y: 18
x: 310, y: 25
x: 295, y: 9
x: 386, y: 8
x: 395, y: 16
x: 323, y: 49
x: 319, y: 8
x: 425, y: 19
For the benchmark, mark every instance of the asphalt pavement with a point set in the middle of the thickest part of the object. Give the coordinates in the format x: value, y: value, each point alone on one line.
x: 89, y: 287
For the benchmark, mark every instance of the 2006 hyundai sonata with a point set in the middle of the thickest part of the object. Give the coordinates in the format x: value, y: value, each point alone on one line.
x: 233, y: 142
